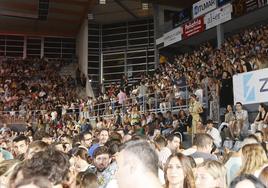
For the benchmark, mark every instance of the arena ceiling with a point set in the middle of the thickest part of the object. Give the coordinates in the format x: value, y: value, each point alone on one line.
x: 64, y: 17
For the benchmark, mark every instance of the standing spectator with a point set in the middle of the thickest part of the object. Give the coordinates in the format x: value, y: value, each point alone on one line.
x: 142, y: 92
x: 122, y: 97
x: 178, y: 172
x: 226, y: 90
x: 140, y: 160
x: 195, y: 109
x: 210, y: 174
x: 21, y: 143
x: 254, y: 159
x: 204, y: 145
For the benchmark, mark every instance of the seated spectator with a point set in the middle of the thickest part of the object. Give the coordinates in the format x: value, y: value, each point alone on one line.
x: 229, y: 117
x: 248, y: 181
x: 214, y: 133
x: 178, y: 172
x: 242, y: 115
x: 86, y: 180
x: 210, y: 174
x: 261, y: 121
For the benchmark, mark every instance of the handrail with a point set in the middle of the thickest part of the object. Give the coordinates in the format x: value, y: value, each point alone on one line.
x: 97, y: 110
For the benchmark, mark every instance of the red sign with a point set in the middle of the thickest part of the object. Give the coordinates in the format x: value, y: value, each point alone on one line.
x: 193, y: 27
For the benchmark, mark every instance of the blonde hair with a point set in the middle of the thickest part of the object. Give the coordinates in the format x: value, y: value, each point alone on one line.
x: 216, y: 170
x: 254, y: 157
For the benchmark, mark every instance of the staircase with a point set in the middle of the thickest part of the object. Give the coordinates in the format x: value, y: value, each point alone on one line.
x: 69, y: 69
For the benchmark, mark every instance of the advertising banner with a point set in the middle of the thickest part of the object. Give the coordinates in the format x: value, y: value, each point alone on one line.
x: 218, y: 16
x: 251, y: 87
x: 181, y: 17
x: 172, y: 36
x: 193, y: 27
x: 203, y: 6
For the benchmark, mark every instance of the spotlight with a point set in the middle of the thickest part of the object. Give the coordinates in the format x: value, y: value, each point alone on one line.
x: 145, y: 6
x: 102, y: 2
x: 90, y: 16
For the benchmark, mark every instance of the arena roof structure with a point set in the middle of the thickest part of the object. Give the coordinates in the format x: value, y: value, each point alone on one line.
x: 64, y: 17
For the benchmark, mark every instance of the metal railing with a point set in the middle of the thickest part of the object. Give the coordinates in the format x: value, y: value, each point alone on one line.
x: 151, y: 102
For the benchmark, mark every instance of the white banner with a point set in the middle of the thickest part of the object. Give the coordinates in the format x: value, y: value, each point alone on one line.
x: 159, y: 40
x: 251, y: 87
x: 172, y: 36
x: 218, y: 16
x: 203, y: 6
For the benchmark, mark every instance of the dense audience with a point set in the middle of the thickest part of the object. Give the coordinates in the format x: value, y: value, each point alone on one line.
x: 137, y: 147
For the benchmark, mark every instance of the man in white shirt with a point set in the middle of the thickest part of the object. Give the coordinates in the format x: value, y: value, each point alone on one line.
x: 242, y: 115
x: 214, y: 133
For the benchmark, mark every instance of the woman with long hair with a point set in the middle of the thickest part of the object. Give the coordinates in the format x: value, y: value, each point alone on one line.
x: 261, y: 119
x: 210, y: 174
x: 178, y: 172
x: 254, y: 159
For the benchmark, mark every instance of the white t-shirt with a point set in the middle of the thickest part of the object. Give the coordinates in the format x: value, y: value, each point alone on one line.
x: 215, y: 134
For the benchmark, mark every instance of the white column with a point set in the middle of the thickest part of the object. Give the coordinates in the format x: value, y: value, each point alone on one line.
x: 25, y: 47
x: 220, y: 35
x: 42, y: 47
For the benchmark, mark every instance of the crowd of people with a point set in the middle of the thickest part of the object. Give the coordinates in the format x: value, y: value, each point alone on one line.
x: 116, y: 158
x: 137, y: 146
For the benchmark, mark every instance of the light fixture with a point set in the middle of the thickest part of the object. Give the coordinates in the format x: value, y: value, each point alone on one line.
x: 145, y: 6
x: 90, y: 16
x: 102, y: 2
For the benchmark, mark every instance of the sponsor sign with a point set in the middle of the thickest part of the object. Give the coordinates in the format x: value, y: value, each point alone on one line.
x: 203, y: 6
x: 193, y: 27
x: 251, y: 87
x: 172, y: 36
x: 218, y: 16
x: 181, y: 17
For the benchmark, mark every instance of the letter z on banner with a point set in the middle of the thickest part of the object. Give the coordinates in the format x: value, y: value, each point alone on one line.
x: 251, y: 87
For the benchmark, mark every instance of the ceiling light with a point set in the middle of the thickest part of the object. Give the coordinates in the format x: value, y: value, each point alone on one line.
x: 102, y: 2
x: 90, y: 16
x: 145, y: 6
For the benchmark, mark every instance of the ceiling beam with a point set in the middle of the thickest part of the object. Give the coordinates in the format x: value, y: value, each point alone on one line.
x: 16, y: 14
x: 73, y: 2
x: 126, y: 9
x: 19, y: 6
x: 91, y: 4
x: 64, y: 11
